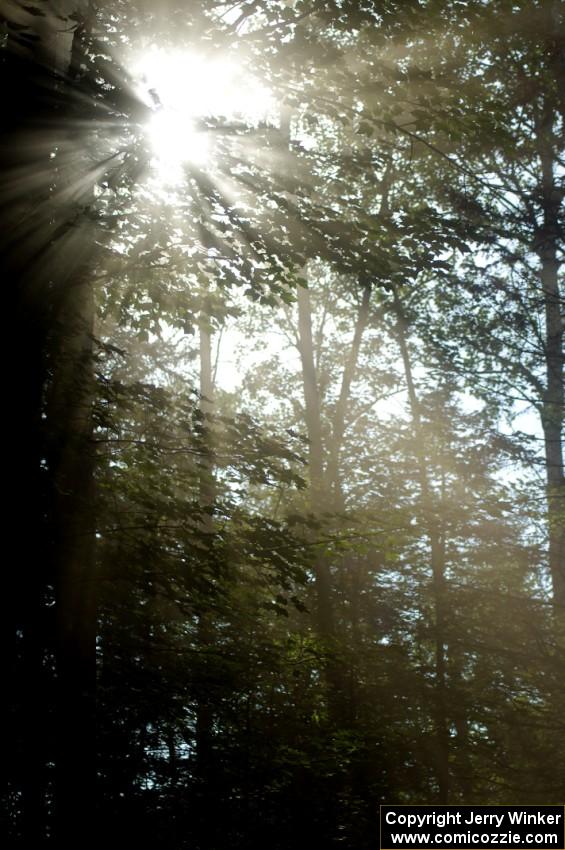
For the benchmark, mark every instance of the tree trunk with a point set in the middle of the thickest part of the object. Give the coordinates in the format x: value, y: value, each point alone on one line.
x: 344, y: 394
x: 318, y: 498
x: 30, y: 221
x: 322, y: 479
x: 552, y: 411
x: 205, y: 625
x: 71, y: 462
x: 436, y: 540
x: 206, y: 499
x: 24, y: 622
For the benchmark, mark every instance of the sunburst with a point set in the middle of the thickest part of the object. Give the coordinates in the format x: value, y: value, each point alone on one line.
x: 185, y: 89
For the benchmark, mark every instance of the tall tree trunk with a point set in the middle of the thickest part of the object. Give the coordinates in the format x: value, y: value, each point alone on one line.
x: 343, y: 399
x: 24, y: 622
x: 206, y: 499
x: 553, y: 403
x: 71, y: 461
x: 30, y: 220
x: 205, y: 626
x: 318, y: 496
x: 324, y: 476
x: 436, y: 540
x: 350, y: 565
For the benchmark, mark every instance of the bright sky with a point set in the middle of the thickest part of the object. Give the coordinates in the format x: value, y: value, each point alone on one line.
x: 190, y: 87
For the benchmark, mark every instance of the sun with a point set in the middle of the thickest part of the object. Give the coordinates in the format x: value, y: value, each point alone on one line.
x: 185, y: 88
x: 175, y: 140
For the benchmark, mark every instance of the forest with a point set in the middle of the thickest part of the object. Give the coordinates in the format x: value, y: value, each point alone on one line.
x: 284, y: 397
